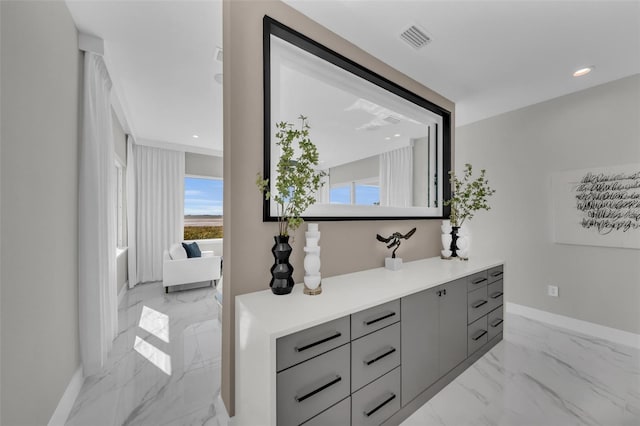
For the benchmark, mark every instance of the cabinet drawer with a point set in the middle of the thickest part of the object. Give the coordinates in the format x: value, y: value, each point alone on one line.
x: 495, y: 322
x: 370, y: 320
x: 478, y: 304
x: 494, y: 292
x: 313, y: 386
x: 338, y: 415
x: 476, y: 281
x: 374, y: 355
x: 305, y: 344
x: 377, y: 401
x: 495, y: 274
x: 478, y: 335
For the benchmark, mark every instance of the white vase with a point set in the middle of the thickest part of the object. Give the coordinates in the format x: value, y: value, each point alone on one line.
x: 312, y: 277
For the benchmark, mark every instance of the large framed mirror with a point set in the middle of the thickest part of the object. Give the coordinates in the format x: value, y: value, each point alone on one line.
x: 386, y: 151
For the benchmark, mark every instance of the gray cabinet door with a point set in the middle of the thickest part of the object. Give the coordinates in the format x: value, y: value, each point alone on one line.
x: 453, y: 324
x: 419, y: 352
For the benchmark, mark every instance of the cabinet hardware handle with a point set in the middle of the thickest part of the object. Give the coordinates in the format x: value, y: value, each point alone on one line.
x: 478, y: 281
x: 382, y: 404
x: 478, y: 304
x: 479, y: 335
x: 496, y: 294
x: 496, y: 323
x: 375, y: 357
x: 333, y: 380
x: 317, y: 342
x: 384, y: 316
x: 439, y: 293
x: 444, y: 291
x: 496, y: 274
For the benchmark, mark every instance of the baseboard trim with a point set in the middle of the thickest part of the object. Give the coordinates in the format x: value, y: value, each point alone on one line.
x: 60, y: 416
x: 596, y: 330
x: 122, y: 292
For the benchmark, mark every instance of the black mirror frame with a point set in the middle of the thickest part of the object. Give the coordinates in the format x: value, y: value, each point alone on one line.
x: 273, y: 27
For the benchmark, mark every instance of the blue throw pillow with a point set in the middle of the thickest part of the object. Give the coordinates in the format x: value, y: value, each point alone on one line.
x: 192, y: 250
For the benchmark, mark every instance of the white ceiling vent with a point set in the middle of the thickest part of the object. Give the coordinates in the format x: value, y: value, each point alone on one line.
x: 415, y: 37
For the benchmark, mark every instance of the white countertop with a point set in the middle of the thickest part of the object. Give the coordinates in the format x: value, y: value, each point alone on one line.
x: 345, y: 294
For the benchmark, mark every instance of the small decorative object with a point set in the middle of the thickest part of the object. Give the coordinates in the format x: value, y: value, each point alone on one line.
x: 468, y: 196
x: 312, y: 277
x: 297, y: 182
x: 394, y: 240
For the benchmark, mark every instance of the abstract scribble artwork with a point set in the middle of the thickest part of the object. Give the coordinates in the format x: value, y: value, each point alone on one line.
x: 598, y: 206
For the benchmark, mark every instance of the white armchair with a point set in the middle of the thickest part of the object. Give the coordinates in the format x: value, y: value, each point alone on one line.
x: 191, y: 270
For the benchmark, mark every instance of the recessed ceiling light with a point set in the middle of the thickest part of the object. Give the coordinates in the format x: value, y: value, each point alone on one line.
x: 397, y: 135
x: 387, y: 138
x: 195, y: 136
x: 583, y: 71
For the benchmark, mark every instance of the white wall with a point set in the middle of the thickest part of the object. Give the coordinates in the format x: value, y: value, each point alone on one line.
x: 592, y: 128
x: 358, y: 170
x: 40, y: 82
x: 202, y: 165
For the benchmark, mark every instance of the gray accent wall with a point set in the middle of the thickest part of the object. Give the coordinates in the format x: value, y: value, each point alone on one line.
x: 202, y: 165
x: 41, y: 81
x: 597, y: 127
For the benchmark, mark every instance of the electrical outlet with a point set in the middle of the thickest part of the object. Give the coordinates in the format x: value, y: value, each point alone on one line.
x: 552, y: 290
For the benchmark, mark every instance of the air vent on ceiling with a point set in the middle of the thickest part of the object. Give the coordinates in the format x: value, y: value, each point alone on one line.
x: 415, y: 37
x: 391, y: 119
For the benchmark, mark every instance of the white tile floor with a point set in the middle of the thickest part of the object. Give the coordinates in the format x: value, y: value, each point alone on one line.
x: 165, y: 370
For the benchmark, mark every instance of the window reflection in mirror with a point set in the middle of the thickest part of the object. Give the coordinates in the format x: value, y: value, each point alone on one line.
x: 383, y: 154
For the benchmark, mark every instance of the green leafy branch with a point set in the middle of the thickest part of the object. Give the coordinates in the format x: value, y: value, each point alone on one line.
x: 468, y: 195
x: 297, y: 180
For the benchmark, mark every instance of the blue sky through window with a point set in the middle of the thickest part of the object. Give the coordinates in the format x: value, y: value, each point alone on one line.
x: 202, y: 196
x: 367, y: 195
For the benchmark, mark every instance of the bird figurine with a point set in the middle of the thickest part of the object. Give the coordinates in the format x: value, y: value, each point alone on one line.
x: 394, y: 240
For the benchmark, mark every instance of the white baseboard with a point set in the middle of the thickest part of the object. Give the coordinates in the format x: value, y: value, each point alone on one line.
x: 122, y: 292
x: 596, y: 330
x: 60, y: 416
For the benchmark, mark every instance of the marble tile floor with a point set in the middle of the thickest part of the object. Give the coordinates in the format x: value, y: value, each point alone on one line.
x: 541, y: 375
x: 164, y: 368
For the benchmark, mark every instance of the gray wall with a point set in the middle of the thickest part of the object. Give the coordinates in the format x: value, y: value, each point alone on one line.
x: 246, y: 236
x: 592, y: 128
x: 40, y: 82
x: 202, y: 165
x: 355, y: 171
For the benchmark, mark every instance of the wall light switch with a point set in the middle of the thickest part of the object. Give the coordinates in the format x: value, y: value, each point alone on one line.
x: 552, y: 290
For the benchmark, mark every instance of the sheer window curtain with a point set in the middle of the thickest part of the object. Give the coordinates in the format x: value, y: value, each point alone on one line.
x: 98, y: 298
x: 131, y: 214
x: 159, y: 207
x: 396, y: 177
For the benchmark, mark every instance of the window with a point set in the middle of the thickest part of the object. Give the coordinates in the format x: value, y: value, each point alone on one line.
x: 119, y: 205
x: 202, y: 208
x: 362, y: 193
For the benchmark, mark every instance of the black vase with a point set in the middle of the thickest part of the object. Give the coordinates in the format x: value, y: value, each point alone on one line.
x: 454, y: 240
x: 281, y: 271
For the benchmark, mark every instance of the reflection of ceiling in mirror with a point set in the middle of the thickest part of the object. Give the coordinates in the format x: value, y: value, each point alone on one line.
x: 350, y: 118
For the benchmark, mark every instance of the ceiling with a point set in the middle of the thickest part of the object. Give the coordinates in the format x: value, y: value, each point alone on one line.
x: 489, y: 57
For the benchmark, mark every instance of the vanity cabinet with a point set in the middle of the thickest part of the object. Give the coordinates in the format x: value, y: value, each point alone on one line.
x: 434, y: 335
x: 370, y: 350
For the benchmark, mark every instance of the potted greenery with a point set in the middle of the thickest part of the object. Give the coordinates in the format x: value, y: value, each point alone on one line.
x: 468, y: 196
x: 296, y: 185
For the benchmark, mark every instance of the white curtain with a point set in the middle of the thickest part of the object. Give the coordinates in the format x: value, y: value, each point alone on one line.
x: 322, y: 196
x: 159, y: 207
x: 131, y: 214
x: 396, y: 177
x: 98, y: 298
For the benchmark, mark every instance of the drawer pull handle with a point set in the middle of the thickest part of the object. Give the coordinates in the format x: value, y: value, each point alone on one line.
x: 479, y: 335
x: 306, y: 346
x: 478, y: 304
x: 387, y: 400
x: 496, y: 274
x: 378, y: 356
x: 384, y: 316
x: 478, y: 281
x: 497, y: 322
x: 333, y: 380
x: 496, y: 294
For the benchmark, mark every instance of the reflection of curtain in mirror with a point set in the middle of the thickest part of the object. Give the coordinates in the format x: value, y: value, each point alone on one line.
x: 322, y: 196
x: 396, y: 177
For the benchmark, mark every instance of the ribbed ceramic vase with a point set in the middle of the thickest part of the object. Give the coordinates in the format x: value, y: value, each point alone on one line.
x: 281, y: 271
